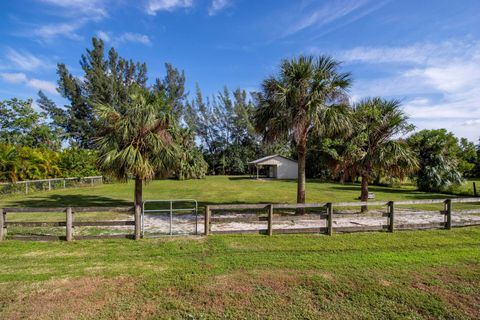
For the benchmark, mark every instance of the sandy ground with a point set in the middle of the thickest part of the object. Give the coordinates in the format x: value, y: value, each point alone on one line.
x: 185, y: 224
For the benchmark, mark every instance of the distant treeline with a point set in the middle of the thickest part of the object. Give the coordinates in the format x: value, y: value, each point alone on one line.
x: 211, y: 135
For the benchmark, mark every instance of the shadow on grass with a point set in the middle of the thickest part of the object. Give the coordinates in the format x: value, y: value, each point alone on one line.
x: 234, y: 178
x: 416, y: 194
x: 58, y: 200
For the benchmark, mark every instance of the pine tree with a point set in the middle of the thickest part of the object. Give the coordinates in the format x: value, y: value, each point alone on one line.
x: 106, y: 80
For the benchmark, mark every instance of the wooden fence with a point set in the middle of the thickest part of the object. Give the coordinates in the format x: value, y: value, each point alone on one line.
x: 329, y: 215
x: 69, y: 224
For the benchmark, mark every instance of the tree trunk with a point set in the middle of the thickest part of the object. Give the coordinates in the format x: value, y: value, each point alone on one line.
x: 301, y: 150
x: 138, y: 206
x: 364, y: 192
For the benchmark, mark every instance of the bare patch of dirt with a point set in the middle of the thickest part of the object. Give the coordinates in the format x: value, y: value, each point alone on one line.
x: 385, y: 283
x: 264, y: 293
x: 40, y: 253
x: 449, y: 287
x: 75, y: 298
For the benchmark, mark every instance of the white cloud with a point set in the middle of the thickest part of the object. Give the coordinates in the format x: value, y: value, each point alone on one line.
x: 16, y: 77
x: 438, y: 82
x: 124, y: 38
x: 218, y: 5
x: 91, y: 9
x: 43, y: 85
x: 472, y: 122
x: 419, y: 53
x: 412, y: 54
x: 167, y: 5
x: 448, y: 77
x: 134, y: 37
x: 21, y: 78
x: 104, y: 36
x: 24, y: 60
x: 342, y: 11
x: 77, y: 13
x: 50, y: 31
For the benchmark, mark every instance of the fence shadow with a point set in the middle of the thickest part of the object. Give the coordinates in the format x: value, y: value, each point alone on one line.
x: 58, y: 200
x: 234, y: 178
x: 373, y: 188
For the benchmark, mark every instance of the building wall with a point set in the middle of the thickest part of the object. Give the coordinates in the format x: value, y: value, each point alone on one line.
x: 286, y: 169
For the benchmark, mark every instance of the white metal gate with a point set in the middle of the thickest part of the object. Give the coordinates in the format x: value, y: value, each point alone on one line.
x: 172, y: 211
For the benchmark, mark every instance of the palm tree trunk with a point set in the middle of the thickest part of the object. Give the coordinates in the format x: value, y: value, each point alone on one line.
x: 138, y: 206
x: 301, y: 150
x: 364, y: 192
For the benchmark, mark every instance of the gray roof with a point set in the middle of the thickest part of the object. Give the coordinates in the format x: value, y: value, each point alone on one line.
x: 268, y: 158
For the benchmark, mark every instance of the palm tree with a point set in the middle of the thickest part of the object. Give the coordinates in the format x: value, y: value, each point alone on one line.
x: 9, y: 163
x: 134, y: 141
x: 309, y: 94
x: 376, y: 149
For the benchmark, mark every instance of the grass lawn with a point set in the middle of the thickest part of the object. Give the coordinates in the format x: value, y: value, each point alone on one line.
x: 420, y: 274
x: 214, y: 189
x: 404, y: 275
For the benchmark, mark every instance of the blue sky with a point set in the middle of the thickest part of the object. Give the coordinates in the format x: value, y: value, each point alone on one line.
x: 425, y: 53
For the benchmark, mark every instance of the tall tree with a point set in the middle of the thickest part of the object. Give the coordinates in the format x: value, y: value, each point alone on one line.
x: 173, y: 86
x: 477, y: 164
x: 135, y: 140
x: 105, y: 80
x: 468, y: 158
x: 225, y: 130
x: 21, y: 124
x: 374, y: 148
x: 437, y: 152
x: 80, y: 125
x: 58, y: 116
x: 309, y: 94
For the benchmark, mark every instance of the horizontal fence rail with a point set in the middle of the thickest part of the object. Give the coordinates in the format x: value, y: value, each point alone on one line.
x: 328, y: 215
x: 69, y: 224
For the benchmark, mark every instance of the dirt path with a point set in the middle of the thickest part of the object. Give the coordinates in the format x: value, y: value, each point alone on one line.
x: 185, y: 224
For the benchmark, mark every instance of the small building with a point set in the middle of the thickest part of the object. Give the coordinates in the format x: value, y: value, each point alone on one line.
x: 275, y: 167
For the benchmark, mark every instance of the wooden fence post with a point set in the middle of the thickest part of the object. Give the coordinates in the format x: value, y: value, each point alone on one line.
x: 2, y: 224
x: 207, y: 220
x: 69, y: 224
x: 448, y: 209
x: 329, y: 219
x: 474, y: 189
x: 270, y: 219
x: 391, y: 216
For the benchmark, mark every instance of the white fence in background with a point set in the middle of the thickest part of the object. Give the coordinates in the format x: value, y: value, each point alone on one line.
x: 28, y: 186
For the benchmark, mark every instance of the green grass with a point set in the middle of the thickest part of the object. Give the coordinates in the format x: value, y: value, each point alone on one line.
x: 215, y: 189
x: 467, y: 188
x: 414, y: 275
x: 404, y: 275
